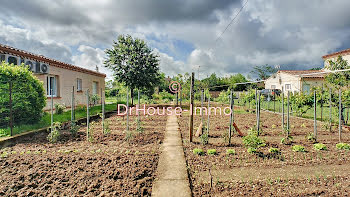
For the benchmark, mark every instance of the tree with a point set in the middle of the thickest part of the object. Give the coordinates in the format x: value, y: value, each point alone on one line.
x: 263, y: 72
x: 338, y: 79
x: 133, y: 63
x: 28, y: 95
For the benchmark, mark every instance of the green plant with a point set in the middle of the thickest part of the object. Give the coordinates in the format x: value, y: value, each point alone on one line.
x: 225, y: 137
x: 252, y: 150
x: 342, y: 146
x: 320, y: 146
x: 204, y: 138
x: 287, y: 140
x: 310, y: 137
x: 274, y: 150
x: 139, y: 127
x: 28, y: 95
x: 303, y: 125
x: 54, y: 134
x: 90, y: 136
x: 94, y: 99
x: 59, y: 108
x: 198, y: 151
x: 273, y: 126
x: 253, y: 141
x: 107, y: 130
x: 129, y: 136
x: 74, y: 128
x: 211, y: 151
x: 3, y: 133
x: 230, y: 152
x: 298, y: 148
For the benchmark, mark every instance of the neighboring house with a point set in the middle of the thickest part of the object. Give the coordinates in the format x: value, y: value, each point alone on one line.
x: 58, y: 76
x: 333, y: 56
x: 295, y: 80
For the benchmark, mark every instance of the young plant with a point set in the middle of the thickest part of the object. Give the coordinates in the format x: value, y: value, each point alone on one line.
x: 139, y: 127
x: 252, y: 150
x: 128, y: 136
x: 211, y: 151
x: 230, y: 152
x: 298, y: 148
x: 107, y: 130
x: 287, y: 140
x: 74, y: 128
x: 54, y: 134
x: 273, y: 126
x: 253, y: 141
x: 303, y: 125
x: 343, y: 146
x: 92, y: 126
x: 320, y: 146
x: 310, y: 137
x: 204, y: 138
x: 274, y: 150
x: 198, y: 151
x: 59, y: 108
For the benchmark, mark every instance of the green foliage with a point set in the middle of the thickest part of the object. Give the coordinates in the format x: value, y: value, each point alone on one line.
x: 54, y: 134
x: 3, y: 133
x: 338, y: 79
x: 320, y: 146
x: 107, y: 129
x: 59, y: 108
x: 28, y: 95
x: 253, y: 141
x: 133, y: 63
x: 204, y: 138
x: 230, y: 152
x: 198, y: 151
x: 301, y: 102
x: 274, y: 150
x: 298, y: 148
x: 343, y: 146
x: 263, y: 72
x: 94, y: 99
x: 252, y: 150
x: 211, y: 151
x: 129, y: 136
x: 287, y: 140
x: 74, y: 128
x: 310, y: 137
x: 224, y: 97
x: 249, y: 97
x: 92, y: 127
x: 139, y: 127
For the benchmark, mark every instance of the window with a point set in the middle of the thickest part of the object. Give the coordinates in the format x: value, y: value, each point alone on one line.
x: 288, y: 87
x: 12, y: 60
x: 51, y: 84
x: 306, y: 88
x: 79, y: 85
x: 94, y: 87
x: 273, y: 86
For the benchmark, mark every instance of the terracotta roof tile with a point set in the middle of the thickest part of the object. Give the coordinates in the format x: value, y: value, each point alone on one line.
x: 315, y: 73
x: 336, y: 53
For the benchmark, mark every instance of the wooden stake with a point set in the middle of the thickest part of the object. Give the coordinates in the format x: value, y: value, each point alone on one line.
x: 191, y: 108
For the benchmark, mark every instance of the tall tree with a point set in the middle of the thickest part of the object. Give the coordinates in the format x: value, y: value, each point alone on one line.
x: 338, y: 79
x: 263, y: 72
x: 133, y: 63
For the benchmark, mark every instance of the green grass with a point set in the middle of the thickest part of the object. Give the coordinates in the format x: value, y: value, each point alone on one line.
x: 64, y: 117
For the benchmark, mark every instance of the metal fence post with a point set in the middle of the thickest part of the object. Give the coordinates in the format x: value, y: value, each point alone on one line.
x: 103, y: 110
x: 202, y: 103
x: 231, y: 119
x: 191, y: 108
x: 127, y: 108
x: 72, y: 107
x: 87, y: 115
x: 10, y: 103
x: 258, y: 115
x: 52, y: 108
x: 138, y: 112
x: 288, y: 112
x: 315, y: 114
x: 340, y: 115
x: 208, y: 123
x: 282, y: 111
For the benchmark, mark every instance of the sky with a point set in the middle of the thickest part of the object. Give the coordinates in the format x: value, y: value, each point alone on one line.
x: 184, y: 33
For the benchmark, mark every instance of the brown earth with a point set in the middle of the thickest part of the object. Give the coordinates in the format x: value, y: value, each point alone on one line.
x: 109, y: 166
x: 312, y: 173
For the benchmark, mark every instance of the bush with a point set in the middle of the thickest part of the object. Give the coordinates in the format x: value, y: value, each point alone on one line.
x: 253, y: 141
x: 55, y: 134
x: 320, y: 146
x: 94, y: 99
x: 230, y: 152
x: 198, y: 151
x: 59, y: 108
x: 343, y: 146
x: 298, y: 148
x: 274, y: 150
x: 28, y: 99
x: 211, y: 151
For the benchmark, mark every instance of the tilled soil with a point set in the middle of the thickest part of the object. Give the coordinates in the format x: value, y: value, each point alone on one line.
x: 109, y: 166
x: 312, y: 173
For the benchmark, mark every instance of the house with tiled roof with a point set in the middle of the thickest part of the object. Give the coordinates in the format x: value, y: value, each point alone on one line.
x: 59, y: 78
x: 295, y: 80
x: 333, y: 56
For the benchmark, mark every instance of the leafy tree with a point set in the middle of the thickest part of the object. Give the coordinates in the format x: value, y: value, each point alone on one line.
x: 28, y: 95
x: 133, y: 63
x: 338, y: 79
x: 263, y: 72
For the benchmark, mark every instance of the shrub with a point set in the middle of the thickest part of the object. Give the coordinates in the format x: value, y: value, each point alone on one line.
x: 320, y: 146
x: 343, y: 146
x: 198, y: 151
x: 274, y: 150
x: 74, y: 128
x: 59, y: 108
x: 94, y: 99
x: 230, y: 152
x: 55, y: 134
x: 252, y: 150
x: 253, y: 141
x: 298, y: 148
x: 211, y: 151
x: 28, y: 99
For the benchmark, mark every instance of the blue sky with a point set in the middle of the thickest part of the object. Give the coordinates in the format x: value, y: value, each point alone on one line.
x: 293, y: 34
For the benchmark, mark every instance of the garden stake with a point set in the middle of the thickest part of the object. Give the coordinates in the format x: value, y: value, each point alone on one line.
x: 288, y: 113
x: 51, y: 109
x: 87, y: 116
x: 315, y: 119
x: 231, y: 119
x: 340, y: 115
x: 330, y: 110
x: 103, y: 111
x: 208, y: 113
x: 191, y: 108
x: 10, y: 103
x: 282, y: 110
x: 202, y: 98
x: 258, y: 115
x: 138, y: 112
x: 127, y: 108
x: 72, y: 106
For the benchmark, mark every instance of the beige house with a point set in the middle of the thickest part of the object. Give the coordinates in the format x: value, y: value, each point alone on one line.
x: 295, y: 80
x: 58, y: 76
x: 333, y: 56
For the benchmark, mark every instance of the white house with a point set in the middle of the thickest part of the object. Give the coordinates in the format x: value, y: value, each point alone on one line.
x: 333, y: 56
